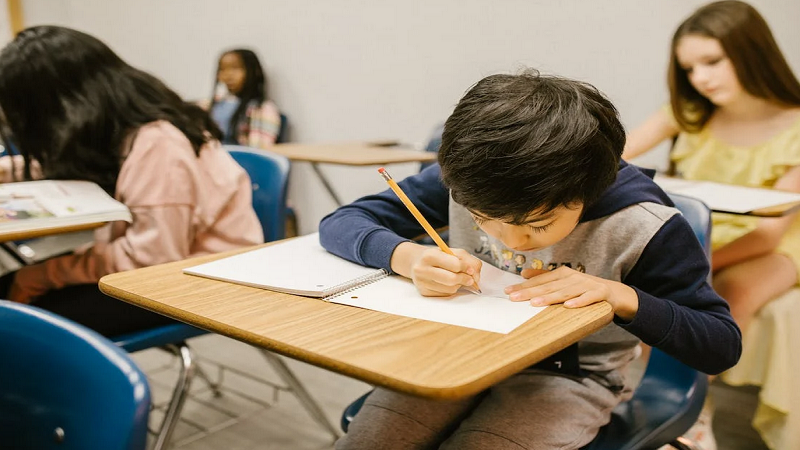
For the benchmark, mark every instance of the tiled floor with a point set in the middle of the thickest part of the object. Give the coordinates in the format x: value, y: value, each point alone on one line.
x: 253, y: 415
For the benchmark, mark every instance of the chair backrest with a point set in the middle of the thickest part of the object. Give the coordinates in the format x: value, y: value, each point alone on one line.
x: 283, y: 131
x: 269, y: 174
x: 63, y: 386
x: 699, y: 217
x: 434, y: 142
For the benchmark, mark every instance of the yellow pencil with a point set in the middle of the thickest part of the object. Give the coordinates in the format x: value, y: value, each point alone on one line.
x: 420, y: 218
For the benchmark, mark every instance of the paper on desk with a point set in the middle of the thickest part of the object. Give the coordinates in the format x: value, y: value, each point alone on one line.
x: 490, y: 311
x: 727, y: 197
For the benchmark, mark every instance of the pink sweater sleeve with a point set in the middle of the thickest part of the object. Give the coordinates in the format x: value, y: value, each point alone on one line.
x: 156, y: 183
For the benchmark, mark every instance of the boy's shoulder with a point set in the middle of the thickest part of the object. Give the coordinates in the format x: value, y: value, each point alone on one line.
x: 633, y: 186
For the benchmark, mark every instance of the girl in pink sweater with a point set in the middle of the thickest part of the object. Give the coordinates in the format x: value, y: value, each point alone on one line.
x: 78, y: 111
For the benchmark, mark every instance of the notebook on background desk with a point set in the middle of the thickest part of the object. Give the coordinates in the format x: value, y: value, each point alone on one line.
x: 302, y: 267
x: 40, y: 205
x: 729, y: 198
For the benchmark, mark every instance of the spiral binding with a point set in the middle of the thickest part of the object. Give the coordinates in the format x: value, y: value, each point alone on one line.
x: 352, y: 285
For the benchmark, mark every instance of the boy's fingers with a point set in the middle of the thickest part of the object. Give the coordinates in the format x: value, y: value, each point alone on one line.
x: 447, y: 278
x: 585, y: 299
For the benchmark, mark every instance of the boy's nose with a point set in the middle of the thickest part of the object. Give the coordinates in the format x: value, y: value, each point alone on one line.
x: 514, y: 237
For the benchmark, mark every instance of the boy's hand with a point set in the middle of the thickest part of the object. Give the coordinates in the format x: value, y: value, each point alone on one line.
x: 574, y: 289
x: 434, y: 272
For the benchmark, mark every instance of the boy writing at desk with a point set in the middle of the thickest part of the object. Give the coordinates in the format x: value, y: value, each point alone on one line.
x: 532, y: 163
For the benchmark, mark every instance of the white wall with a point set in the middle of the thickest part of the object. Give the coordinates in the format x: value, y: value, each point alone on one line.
x: 354, y: 70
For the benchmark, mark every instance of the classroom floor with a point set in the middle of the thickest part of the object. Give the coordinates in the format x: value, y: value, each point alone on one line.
x: 252, y: 415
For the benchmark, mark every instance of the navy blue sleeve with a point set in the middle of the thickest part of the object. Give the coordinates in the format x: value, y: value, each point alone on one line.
x: 679, y: 312
x: 368, y: 230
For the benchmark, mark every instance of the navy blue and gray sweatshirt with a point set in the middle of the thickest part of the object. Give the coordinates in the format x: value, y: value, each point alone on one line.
x: 632, y: 234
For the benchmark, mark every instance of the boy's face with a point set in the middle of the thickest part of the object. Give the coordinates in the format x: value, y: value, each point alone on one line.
x: 539, y: 231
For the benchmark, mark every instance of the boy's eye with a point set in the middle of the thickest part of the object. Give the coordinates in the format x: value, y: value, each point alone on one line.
x: 540, y: 229
x: 478, y: 220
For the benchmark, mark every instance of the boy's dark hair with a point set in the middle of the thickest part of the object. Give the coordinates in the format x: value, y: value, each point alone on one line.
x: 518, y: 144
x: 70, y: 103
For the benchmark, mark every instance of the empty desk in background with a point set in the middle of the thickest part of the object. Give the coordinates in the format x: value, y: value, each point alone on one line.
x: 349, y: 154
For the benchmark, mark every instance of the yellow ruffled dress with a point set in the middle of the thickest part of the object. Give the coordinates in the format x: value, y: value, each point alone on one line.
x: 771, y: 357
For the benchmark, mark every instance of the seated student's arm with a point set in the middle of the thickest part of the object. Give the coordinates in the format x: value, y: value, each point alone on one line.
x: 655, y: 129
x: 12, y: 168
x: 265, y: 124
x: 158, y: 190
x: 765, y: 238
x: 673, y: 307
x: 376, y: 231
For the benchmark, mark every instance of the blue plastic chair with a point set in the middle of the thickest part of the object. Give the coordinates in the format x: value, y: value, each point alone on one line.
x: 63, y: 386
x: 670, y: 396
x: 269, y: 175
x: 283, y: 131
x: 434, y: 142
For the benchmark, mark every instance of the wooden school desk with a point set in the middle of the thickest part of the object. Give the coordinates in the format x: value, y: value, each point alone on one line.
x: 409, y: 355
x: 349, y: 154
x: 25, y: 257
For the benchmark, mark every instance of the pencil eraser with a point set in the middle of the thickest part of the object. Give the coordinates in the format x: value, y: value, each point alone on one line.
x: 381, y: 170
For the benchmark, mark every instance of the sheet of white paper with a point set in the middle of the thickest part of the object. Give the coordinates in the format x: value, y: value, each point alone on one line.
x: 491, y: 311
x: 727, y: 197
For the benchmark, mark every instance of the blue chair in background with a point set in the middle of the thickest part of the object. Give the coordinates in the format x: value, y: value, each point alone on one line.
x: 283, y: 131
x: 670, y: 396
x: 269, y: 175
x: 63, y: 386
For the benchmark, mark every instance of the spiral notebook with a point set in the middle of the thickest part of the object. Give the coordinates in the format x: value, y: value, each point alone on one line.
x: 302, y: 267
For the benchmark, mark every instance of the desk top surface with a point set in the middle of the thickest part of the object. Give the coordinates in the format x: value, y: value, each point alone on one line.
x: 409, y: 355
x: 20, y: 235
x: 352, y: 154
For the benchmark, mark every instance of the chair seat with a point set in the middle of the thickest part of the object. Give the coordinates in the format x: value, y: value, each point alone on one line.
x: 157, y: 337
x: 665, y: 405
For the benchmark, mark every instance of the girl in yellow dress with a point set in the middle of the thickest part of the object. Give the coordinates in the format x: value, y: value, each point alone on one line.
x: 735, y: 116
x: 735, y: 109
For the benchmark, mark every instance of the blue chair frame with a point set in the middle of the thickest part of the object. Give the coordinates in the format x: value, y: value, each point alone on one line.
x: 269, y: 174
x: 670, y: 396
x: 64, y: 386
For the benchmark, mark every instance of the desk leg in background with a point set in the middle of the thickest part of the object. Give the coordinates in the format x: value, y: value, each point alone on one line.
x: 326, y: 183
x: 21, y: 253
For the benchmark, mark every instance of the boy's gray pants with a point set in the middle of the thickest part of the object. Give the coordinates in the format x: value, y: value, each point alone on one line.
x: 532, y: 410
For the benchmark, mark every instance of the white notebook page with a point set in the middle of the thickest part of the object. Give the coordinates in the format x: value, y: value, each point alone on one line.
x: 302, y: 267
x: 491, y: 311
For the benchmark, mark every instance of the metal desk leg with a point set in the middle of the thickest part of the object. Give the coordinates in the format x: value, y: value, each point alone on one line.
x: 326, y: 183
x: 21, y: 253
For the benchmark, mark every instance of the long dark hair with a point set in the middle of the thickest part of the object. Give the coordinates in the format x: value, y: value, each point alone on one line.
x: 70, y: 103
x: 254, y: 88
x: 748, y: 42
